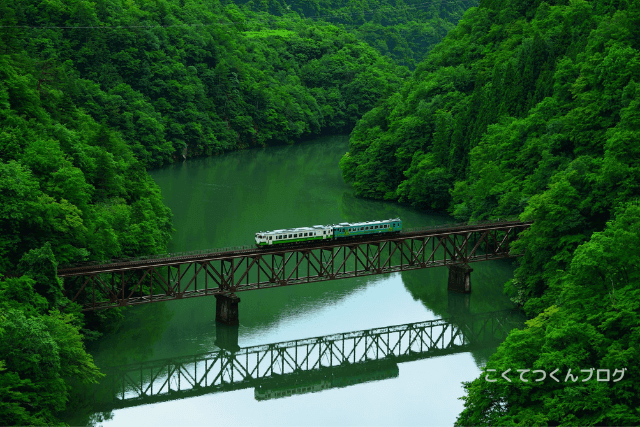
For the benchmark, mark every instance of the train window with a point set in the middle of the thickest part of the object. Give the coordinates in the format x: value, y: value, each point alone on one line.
x: 306, y: 234
x: 366, y: 228
x: 290, y: 235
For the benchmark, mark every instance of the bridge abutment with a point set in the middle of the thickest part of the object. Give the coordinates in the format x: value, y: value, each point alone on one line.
x: 227, y: 309
x: 460, y: 278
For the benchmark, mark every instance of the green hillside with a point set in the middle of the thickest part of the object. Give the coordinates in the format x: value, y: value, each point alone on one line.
x: 94, y: 93
x: 402, y: 30
x: 531, y: 108
x: 524, y: 108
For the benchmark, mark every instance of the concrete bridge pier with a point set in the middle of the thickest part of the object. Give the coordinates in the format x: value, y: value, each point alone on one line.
x: 460, y: 278
x: 227, y: 309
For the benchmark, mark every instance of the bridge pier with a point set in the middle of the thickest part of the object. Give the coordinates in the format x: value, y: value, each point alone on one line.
x: 460, y: 278
x: 227, y: 309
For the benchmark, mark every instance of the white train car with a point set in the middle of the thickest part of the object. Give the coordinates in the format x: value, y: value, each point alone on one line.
x: 292, y: 235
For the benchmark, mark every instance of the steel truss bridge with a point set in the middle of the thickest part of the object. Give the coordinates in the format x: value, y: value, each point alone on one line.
x: 302, y: 366
x: 224, y: 272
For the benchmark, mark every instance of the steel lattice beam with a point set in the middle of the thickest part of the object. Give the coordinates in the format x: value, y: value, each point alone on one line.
x: 140, y: 282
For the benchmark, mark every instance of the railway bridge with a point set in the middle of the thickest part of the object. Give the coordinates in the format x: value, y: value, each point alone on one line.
x: 224, y: 272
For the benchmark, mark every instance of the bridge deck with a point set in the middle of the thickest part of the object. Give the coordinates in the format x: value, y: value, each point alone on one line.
x: 141, y: 281
x: 249, y: 251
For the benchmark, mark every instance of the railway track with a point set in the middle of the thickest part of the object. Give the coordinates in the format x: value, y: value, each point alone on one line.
x: 244, y: 251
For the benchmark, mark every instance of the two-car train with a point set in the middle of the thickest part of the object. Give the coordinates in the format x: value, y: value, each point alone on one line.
x: 344, y: 230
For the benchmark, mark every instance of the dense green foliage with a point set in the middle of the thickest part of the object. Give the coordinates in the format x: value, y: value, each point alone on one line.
x: 179, y: 79
x: 67, y: 181
x: 70, y: 189
x: 35, y: 374
x: 504, y: 118
x: 92, y: 94
x: 595, y: 324
x: 530, y: 108
x: 404, y: 31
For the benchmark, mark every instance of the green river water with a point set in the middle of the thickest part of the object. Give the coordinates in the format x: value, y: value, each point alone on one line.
x: 223, y: 201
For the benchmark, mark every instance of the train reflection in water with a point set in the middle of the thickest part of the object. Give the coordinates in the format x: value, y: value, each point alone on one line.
x: 328, y: 378
x: 301, y: 366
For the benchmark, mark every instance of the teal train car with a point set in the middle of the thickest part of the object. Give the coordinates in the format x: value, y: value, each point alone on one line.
x: 347, y: 230
x: 344, y: 230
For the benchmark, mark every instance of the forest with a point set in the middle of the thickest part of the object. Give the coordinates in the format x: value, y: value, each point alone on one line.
x: 532, y: 109
x: 481, y: 110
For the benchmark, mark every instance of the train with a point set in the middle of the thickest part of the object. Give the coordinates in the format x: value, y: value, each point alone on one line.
x: 343, y: 230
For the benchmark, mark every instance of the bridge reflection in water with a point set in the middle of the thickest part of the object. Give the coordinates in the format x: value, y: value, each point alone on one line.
x: 302, y: 366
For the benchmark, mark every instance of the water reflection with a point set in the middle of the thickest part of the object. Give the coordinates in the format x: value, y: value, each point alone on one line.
x: 222, y: 201
x: 301, y: 366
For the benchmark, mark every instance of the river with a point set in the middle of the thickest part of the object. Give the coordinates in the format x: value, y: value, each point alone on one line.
x: 223, y: 201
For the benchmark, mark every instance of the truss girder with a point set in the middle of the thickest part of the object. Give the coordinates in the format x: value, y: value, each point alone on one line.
x: 229, y: 272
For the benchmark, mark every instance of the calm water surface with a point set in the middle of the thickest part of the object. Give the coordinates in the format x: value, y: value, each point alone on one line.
x: 223, y: 201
